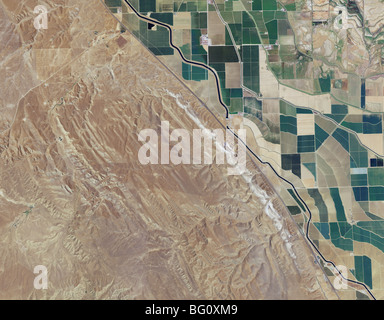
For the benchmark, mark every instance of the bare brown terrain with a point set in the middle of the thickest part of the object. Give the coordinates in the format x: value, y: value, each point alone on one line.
x: 75, y: 198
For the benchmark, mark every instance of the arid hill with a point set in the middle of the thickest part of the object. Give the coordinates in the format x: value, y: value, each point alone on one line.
x: 75, y: 198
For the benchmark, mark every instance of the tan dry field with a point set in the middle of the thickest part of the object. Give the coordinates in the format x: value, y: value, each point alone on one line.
x: 233, y: 75
x: 216, y: 29
x: 305, y: 124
